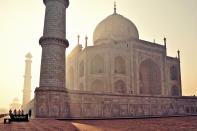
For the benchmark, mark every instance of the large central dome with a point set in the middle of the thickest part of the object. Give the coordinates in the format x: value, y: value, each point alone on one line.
x: 115, y: 28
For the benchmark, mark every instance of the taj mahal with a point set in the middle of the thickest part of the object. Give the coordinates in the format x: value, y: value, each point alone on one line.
x: 119, y: 76
x: 121, y: 63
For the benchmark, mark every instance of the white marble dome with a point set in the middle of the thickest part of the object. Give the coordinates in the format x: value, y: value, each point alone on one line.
x: 115, y: 28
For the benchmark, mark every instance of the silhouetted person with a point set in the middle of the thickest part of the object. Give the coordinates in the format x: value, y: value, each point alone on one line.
x: 29, y: 113
x: 14, y: 111
x: 19, y: 112
x: 10, y: 112
x: 22, y: 112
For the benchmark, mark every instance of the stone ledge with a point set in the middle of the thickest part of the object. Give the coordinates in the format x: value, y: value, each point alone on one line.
x: 50, y: 89
x: 65, y: 2
x: 126, y: 95
x: 62, y: 42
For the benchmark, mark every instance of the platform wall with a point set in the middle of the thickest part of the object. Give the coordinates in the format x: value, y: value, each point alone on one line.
x: 101, y: 106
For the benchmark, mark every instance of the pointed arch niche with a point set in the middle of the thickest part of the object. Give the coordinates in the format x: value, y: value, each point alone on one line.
x: 119, y: 65
x: 149, y: 78
x: 174, y: 91
x: 71, y: 78
x: 120, y: 87
x: 173, y: 73
x: 81, y: 87
x: 97, y: 64
x: 97, y: 86
x: 81, y: 69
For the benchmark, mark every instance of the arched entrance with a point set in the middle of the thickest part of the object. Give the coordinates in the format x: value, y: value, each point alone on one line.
x: 150, y: 78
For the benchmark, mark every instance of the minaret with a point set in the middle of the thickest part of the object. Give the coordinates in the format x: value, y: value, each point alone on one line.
x: 27, y: 80
x: 51, y: 91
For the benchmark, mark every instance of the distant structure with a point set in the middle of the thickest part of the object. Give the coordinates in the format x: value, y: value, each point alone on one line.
x: 27, y: 80
x: 120, y: 76
x: 15, y: 104
x: 3, y: 111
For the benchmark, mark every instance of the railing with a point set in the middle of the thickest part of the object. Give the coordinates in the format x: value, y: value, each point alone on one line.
x: 3, y: 115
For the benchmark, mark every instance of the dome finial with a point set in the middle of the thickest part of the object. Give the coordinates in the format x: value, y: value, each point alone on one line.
x: 114, y: 7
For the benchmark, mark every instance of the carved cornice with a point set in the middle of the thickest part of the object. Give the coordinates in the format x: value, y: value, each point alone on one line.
x: 62, y: 42
x: 65, y: 2
x: 151, y: 44
x: 50, y: 89
x: 172, y: 58
x: 125, y: 96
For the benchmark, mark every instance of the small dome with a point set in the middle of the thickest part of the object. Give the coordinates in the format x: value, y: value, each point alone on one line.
x: 115, y: 28
x: 16, y: 100
x: 28, y: 55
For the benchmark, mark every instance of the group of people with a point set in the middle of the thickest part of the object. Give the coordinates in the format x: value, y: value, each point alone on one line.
x: 15, y: 112
x: 19, y: 112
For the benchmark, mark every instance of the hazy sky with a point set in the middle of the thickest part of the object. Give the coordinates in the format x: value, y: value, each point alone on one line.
x: 21, y: 26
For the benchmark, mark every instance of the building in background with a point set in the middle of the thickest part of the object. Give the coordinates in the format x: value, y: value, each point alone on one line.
x: 27, y: 80
x: 15, y: 104
x: 4, y: 111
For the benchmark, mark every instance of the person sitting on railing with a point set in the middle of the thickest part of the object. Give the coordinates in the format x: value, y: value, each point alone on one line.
x: 19, y: 112
x: 14, y: 111
x: 10, y: 112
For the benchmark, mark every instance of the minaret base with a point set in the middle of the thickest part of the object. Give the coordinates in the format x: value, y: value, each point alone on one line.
x: 51, y: 103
